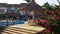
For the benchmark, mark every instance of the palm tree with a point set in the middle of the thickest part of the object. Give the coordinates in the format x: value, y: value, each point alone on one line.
x: 58, y: 2
x: 27, y: 0
x: 47, y: 6
x: 57, y: 8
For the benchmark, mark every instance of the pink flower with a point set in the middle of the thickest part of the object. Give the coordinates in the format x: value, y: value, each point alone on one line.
x: 41, y: 20
x: 46, y: 21
x: 36, y: 21
x: 44, y: 16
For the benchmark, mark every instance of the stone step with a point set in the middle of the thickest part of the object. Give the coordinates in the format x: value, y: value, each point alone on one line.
x: 23, y: 29
x: 14, y: 30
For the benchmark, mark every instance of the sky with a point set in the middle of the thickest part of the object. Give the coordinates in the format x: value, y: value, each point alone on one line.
x: 40, y: 2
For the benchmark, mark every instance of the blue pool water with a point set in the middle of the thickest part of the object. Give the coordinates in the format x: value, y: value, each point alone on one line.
x: 15, y: 22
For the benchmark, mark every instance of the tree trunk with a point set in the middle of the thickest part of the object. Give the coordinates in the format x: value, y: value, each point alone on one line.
x: 6, y: 20
x: 13, y: 20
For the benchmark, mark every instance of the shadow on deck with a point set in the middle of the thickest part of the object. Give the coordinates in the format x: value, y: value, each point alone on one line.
x: 2, y: 29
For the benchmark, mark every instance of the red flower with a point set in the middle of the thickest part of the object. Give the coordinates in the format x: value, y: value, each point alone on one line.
x: 52, y: 13
x: 48, y: 31
x: 56, y: 18
x: 59, y: 17
x: 48, y: 27
x: 43, y: 21
x: 56, y: 25
x: 58, y: 10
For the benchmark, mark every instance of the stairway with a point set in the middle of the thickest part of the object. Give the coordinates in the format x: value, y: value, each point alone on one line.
x: 14, y: 30
x: 22, y: 29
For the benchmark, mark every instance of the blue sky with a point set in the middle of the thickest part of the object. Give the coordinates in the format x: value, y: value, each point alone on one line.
x: 40, y: 2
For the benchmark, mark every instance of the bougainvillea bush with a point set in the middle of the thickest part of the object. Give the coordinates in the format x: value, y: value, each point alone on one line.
x: 51, y: 21
x: 54, y: 20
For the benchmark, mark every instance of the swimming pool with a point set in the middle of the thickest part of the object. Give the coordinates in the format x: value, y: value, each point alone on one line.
x: 3, y: 23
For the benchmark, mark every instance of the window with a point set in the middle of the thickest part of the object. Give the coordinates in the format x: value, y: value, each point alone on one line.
x: 12, y: 10
x: 2, y: 10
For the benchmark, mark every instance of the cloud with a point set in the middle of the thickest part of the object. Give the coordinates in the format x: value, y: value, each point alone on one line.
x: 12, y: 1
x: 51, y: 2
x: 40, y: 2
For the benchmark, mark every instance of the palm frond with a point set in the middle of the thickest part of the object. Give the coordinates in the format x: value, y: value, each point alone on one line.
x: 27, y: 0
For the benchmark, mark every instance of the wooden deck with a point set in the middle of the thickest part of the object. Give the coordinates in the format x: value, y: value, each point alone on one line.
x: 22, y: 29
